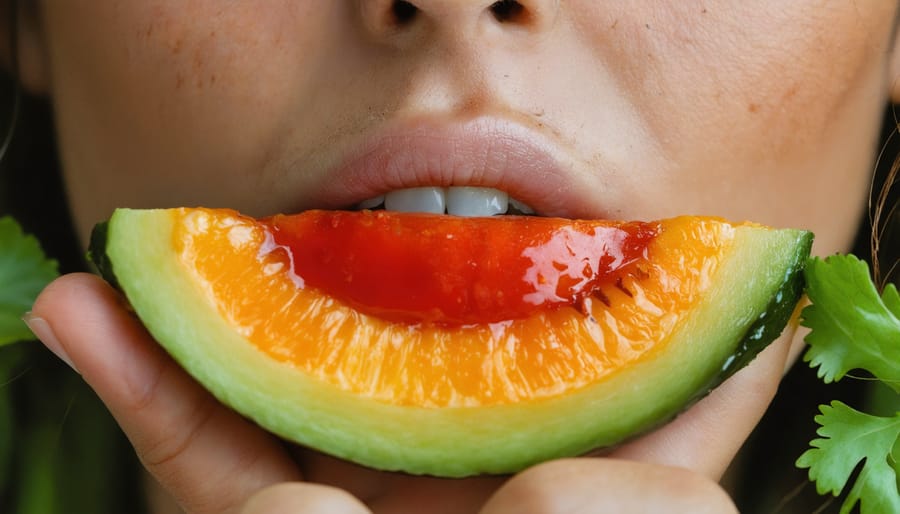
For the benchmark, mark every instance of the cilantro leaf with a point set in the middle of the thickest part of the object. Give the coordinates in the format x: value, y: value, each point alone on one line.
x: 848, y: 438
x: 891, y: 299
x: 852, y: 327
x: 24, y: 271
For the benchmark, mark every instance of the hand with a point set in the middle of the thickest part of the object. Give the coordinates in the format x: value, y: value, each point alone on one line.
x: 212, y: 460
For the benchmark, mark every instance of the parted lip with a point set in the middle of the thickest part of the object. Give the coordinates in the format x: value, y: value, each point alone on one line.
x: 483, y: 151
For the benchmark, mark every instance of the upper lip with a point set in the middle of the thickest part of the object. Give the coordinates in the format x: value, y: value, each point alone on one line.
x: 484, y: 151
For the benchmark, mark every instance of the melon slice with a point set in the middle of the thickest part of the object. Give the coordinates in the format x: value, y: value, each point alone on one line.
x: 641, y: 320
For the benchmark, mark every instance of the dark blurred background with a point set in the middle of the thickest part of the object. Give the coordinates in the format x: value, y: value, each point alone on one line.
x: 60, y: 451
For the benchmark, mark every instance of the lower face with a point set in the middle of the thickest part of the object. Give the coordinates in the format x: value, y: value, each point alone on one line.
x: 760, y: 110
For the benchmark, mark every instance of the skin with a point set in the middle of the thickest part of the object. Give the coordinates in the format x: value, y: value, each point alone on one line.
x: 761, y: 110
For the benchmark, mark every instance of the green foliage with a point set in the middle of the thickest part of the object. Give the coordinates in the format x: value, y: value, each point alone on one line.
x: 848, y: 438
x: 24, y: 271
x: 852, y: 327
x: 60, y: 451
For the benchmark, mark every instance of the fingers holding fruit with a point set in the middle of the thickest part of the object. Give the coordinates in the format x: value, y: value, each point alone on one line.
x: 206, y: 456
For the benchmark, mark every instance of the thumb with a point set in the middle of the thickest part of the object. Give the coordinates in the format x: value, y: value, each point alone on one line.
x: 608, y: 485
x: 303, y: 498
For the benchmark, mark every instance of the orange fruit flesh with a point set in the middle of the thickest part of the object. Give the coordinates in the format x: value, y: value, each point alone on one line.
x: 547, y: 354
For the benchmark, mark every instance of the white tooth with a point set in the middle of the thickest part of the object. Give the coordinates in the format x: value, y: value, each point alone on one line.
x: 476, y: 201
x: 371, y: 203
x: 416, y: 199
x: 519, y: 206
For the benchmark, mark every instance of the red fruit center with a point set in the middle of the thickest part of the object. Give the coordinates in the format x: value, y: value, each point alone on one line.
x: 456, y: 271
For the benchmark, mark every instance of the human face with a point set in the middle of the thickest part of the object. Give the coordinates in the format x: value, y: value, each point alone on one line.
x: 764, y: 109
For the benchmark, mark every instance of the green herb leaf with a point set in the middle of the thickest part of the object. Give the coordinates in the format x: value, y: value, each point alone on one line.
x: 891, y: 299
x: 852, y: 327
x: 851, y: 437
x: 24, y: 271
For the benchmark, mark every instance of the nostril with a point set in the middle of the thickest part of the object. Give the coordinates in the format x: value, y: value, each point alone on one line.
x: 403, y: 11
x: 508, y: 11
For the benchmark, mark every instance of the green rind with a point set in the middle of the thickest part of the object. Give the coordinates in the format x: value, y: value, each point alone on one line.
x: 739, y: 317
x: 97, y: 253
x: 772, y: 320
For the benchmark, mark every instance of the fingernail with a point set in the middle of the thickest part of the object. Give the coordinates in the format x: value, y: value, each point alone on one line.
x: 41, y: 329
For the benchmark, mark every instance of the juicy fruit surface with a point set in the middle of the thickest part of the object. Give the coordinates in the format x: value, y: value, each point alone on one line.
x: 452, y: 270
x: 543, y: 355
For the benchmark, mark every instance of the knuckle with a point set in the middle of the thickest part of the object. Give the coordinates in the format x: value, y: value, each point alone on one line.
x: 174, y: 440
x: 697, y: 493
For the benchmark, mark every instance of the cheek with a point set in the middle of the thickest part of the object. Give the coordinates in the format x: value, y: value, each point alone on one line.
x: 761, y: 110
x: 774, y: 75
x: 786, y: 125
x: 203, y: 47
x: 169, y: 102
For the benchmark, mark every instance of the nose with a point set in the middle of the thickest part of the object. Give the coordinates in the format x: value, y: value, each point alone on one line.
x: 396, y: 19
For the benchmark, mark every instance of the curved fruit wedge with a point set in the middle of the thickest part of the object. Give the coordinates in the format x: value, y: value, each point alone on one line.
x: 517, y: 339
